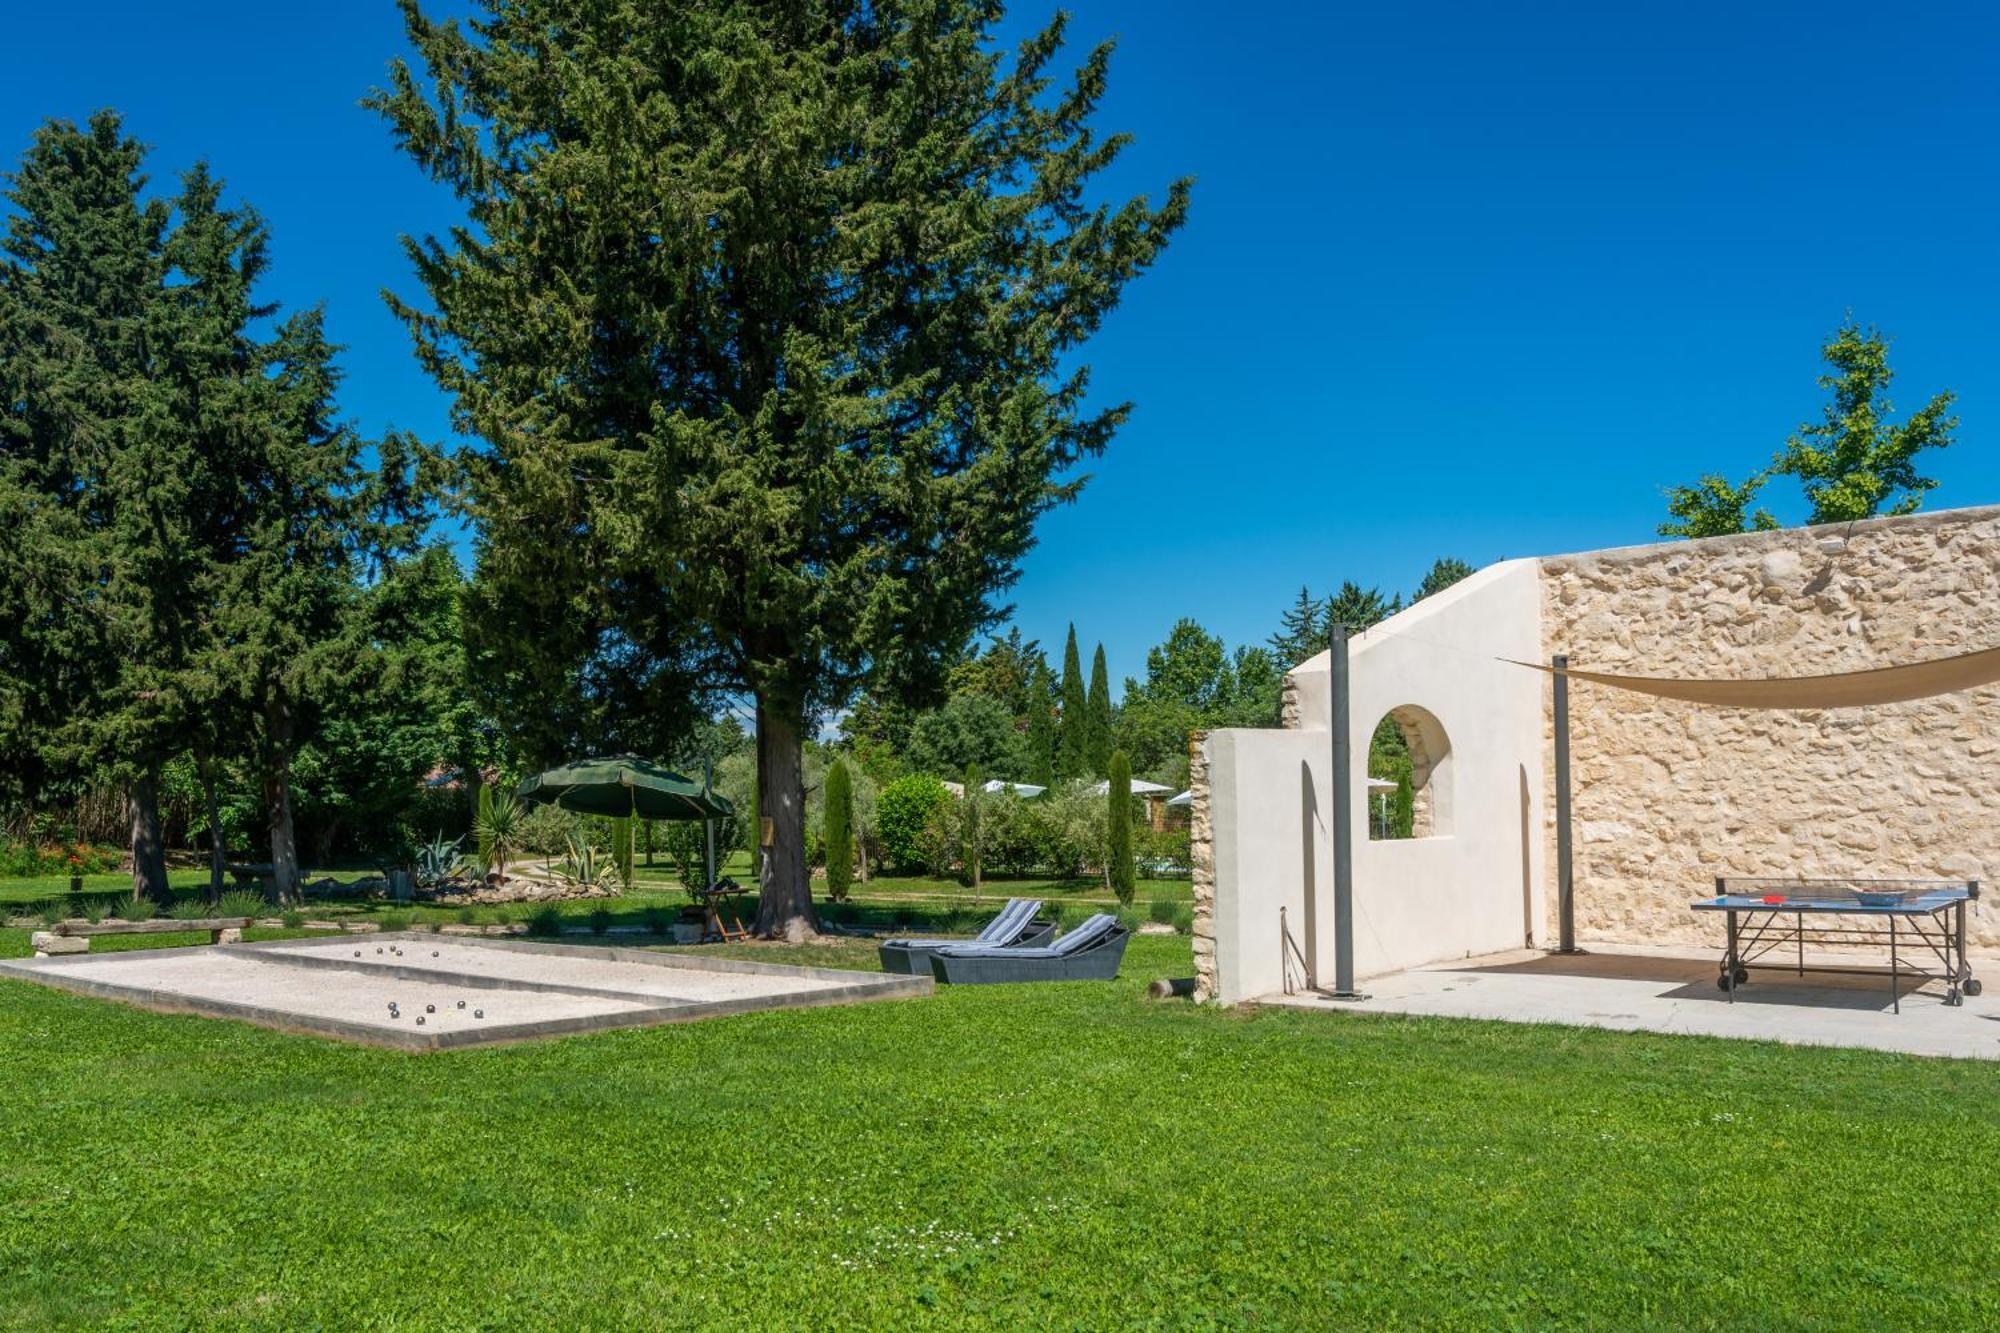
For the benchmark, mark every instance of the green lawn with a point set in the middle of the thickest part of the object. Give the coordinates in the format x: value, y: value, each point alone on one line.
x: 1009, y: 1157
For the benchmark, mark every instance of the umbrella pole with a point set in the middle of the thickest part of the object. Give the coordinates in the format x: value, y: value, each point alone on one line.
x: 708, y: 825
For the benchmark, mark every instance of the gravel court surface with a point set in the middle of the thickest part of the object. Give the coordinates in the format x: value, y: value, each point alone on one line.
x: 342, y: 995
x: 656, y: 981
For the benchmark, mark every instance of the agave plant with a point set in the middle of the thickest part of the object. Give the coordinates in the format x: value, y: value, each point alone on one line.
x: 438, y: 861
x: 497, y: 831
x: 585, y: 866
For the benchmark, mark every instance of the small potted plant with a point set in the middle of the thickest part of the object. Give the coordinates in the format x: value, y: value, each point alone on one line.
x: 75, y: 862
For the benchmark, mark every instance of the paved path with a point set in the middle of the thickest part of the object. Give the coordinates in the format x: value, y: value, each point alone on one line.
x: 1661, y: 990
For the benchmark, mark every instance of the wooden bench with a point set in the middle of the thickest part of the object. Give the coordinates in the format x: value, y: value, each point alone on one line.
x: 69, y: 937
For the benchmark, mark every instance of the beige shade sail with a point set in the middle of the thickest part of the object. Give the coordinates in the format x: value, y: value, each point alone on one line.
x: 1845, y: 689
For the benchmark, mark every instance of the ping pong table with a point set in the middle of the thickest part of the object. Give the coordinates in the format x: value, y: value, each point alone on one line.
x: 1915, y: 919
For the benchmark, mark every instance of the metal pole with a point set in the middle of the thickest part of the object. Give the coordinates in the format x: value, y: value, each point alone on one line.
x: 1565, y: 860
x: 1343, y: 821
x: 708, y: 825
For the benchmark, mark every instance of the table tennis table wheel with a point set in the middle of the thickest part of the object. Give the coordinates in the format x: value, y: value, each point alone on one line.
x: 1742, y: 975
x: 1972, y: 986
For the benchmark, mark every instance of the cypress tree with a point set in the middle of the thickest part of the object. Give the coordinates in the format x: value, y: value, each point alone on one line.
x: 839, y: 831
x: 770, y: 315
x: 1073, y: 748
x: 1042, y: 727
x: 1118, y: 868
x: 973, y: 799
x: 1099, y: 708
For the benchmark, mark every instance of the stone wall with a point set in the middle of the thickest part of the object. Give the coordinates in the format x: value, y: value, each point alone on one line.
x: 1201, y: 856
x: 1668, y: 795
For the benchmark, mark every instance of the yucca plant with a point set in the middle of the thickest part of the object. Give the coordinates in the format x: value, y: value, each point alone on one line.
x: 587, y: 867
x: 138, y: 909
x: 192, y: 908
x: 497, y: 830
x: 438, y: 861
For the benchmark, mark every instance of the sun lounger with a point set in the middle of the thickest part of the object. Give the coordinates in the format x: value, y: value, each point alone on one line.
x: 1091, y: 952
x: 1016, y: 926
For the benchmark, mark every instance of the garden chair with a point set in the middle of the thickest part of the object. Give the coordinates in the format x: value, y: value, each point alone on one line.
x: 1016, y: 926
x: 1091, y: 952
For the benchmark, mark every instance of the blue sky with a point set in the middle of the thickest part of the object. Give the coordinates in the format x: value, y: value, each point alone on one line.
x: 1461, y: 279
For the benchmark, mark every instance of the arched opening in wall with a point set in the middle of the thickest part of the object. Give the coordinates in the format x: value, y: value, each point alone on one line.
x: 1409, y: 772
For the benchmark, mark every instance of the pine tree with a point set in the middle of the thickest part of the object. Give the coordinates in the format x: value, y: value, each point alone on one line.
x: 1042, y: 727
x: 1099, y: 708
x: 1443, y: 572
x: 1118, y: 868
x: 1358, y: 608
x: 770, y: 313
x: 1301, y: 631
x: 1073, y: 741
x: 839, y: 831
x: 96, y: 475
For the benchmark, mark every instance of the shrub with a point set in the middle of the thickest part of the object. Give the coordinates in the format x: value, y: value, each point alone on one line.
x: 497, y: 829
x: 658, y: 919
x: 1164, y: 910
x: 600, y: 921
x: 391, y: 922
x: 839, y: 825
x: 190, y: 908
x: 902, y: 814
x: 545, y: 921
x: 138, y: 909
x: 547, y: 829
x: 466, y: 916
x: 239, y: 903
x: 51, y: 913
x: 1118, y: 829
x: 293, y: 918
x: 1184, y: 920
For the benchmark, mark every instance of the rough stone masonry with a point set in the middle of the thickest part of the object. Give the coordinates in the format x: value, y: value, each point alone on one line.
x: 1669, y: 795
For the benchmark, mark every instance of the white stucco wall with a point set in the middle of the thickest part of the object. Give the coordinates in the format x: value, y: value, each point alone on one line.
x: 1475, y: 888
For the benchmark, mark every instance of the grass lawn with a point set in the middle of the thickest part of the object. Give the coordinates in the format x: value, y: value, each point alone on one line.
x: 1001, y: 1156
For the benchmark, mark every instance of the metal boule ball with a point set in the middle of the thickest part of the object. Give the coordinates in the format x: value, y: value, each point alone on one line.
x: 430, y: 1008
x: 479, y: 1013
x: 461, y: 1004
x: 420, y: 1020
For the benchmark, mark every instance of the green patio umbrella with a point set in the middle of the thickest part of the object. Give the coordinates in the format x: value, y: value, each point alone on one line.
x: 624, y: 786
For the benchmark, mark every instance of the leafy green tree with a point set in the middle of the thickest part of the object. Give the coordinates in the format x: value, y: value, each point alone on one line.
x: 1099, y: 708
x: 1041, y: 760
x: 1852, y: 463
x: 839, y: 831
x: 1442, y: 574
x: 767, y: 315
x: 1073, y: 739
x: 1118, y: 868
x: 1257, y: 690
x: 969, y: 729
x: 1713, y: 507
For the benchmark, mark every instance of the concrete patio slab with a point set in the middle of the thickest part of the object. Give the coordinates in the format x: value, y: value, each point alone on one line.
x: 1639, y: 989
x: 466, y: 992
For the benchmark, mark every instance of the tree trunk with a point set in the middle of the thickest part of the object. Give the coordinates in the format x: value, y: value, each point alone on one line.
x: 218, y: 854
x: 149, y: 852
x: 278, y: 801
x: 784, y: 905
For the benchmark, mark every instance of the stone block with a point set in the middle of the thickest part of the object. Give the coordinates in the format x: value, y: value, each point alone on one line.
x: 47, y: 943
